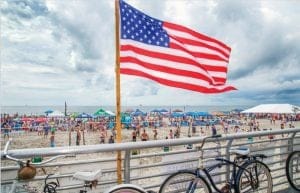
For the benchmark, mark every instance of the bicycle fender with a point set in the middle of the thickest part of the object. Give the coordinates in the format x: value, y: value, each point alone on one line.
x: 120, y: 186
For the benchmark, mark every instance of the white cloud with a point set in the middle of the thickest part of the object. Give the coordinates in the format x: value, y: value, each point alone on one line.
x: 64, y: 50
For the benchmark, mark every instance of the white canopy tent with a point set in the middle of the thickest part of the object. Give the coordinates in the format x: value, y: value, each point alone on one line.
x: 274, y: 108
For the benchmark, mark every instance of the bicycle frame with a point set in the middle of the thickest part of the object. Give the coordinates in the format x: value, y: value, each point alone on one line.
x: 222, y: 162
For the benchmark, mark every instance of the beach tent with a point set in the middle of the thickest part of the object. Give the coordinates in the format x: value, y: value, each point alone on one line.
x: 101, y: 113
x: 274, y: 108
x: 110, y: 113
x: 56, y: 114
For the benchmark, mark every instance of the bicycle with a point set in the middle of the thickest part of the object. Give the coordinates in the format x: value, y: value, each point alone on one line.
x: 292, y: 169
x: 90, y: 179
x: 248, y: 174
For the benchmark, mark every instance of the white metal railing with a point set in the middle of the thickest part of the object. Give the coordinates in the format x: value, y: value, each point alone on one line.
x: 152, y: 165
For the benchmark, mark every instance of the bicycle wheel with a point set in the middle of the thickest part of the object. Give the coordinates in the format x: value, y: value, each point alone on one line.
x: 126, y: 188
x: 254, y: 176
x: 182, y: 181
x: 292, y: 169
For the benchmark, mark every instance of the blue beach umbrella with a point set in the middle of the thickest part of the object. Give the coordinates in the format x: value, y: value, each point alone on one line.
x: 164, y: 111
x: 137, y: 112
x: 155, y: 111
x: 48, y: 111
x: 84, y: 115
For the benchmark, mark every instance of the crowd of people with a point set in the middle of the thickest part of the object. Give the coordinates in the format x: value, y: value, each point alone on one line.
x: 144, y: 128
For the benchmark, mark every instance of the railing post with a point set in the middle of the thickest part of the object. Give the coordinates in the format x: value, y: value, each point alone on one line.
x: 127, y: 166
x: 291, y: 142
x: 228, y: 158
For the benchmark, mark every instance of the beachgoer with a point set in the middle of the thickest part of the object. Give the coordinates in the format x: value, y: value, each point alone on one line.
x: 282, y: 127
x: 53, y: 129
x: 155, y: 133
x: 171, y: 135
x: 40, y: 129
x: 193, y: 130
x: 213, y: 130
x: 6, y: 130
x: 102, y: 137
x: 137, y: 130
x: 207, y: 125
x: 52, y: 142
x: 78, y: 136
x: 201, y: 131
x: 144, y: 136
x: 111, y: 139
x: 46, y: 130
x: 114, y: 133
x: 133, y: 134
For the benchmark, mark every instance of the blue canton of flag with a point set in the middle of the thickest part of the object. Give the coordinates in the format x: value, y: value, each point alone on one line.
x: 140, y: 27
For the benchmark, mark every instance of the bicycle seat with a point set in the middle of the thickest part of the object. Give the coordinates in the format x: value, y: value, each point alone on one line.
x: 88, y: 176
x: 240, y: 150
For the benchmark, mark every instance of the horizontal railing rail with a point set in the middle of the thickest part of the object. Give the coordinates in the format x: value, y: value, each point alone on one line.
x: 149, y: 167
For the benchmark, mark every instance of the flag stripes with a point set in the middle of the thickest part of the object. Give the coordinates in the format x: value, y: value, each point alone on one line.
x: 171, y: 54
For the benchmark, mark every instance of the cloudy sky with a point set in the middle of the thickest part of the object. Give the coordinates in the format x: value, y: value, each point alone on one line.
x: 64, y: 50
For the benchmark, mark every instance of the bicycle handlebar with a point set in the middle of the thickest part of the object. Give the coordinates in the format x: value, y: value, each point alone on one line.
x: 208, y: 137
x: 5, y: 155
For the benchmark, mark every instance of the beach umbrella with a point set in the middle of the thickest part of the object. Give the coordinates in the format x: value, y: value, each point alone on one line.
x: 202, y: 113
x: 48, y: 111
x: 164, y: 111
x: 41, y: 120
x: 101, y: 113
x: 137, y: 112
x: 155, y: 111
x: 191, y: 114
x: 84, y: 116
x: 26, y: 119
x: 177, y: 114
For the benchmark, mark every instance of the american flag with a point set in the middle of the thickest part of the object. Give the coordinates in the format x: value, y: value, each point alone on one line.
x: 171, y: 54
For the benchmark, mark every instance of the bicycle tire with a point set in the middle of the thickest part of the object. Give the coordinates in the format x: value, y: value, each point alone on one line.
x: 181, y: 181
x: 293, y: 160
x: 126, y: 188
x: 261, y: 181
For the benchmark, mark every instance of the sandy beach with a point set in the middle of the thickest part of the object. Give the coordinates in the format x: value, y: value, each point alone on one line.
x: 23, y: 140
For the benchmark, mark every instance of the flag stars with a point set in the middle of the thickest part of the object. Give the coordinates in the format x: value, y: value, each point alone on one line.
x: 140, y: 27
